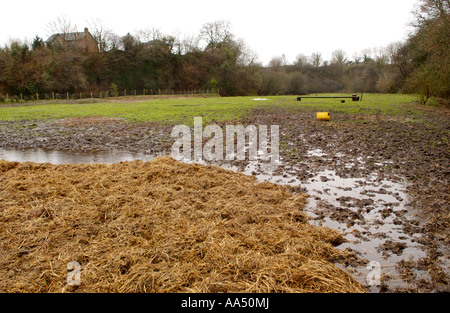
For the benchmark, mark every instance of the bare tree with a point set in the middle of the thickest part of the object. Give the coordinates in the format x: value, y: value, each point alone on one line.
x: 382, y: 55
x: 189, y: 43
x: 356, y: 58
x: 367, y: 54
x: 114, y: 42
x: 391, y: 50
x: 62, y: 25
x: 216, y: 33
x: 243, y: 55
x: 430, y: 10
x: 105, y: 38
x: 301, y: 61
x: 149, y: 34
x: 316, y: 59
x: 338, y: 57
x: 276, y: 63
x: 251, y: 56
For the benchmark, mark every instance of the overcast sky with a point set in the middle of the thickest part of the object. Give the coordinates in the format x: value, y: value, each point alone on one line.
x: 270, y: 28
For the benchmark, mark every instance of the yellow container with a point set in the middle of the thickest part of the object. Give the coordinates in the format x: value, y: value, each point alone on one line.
x: 323, y: 116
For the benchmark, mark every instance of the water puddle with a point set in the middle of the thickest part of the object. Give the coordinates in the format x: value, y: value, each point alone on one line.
x: 371, y: 214
x: 369, y: 211
x: 60, y: 157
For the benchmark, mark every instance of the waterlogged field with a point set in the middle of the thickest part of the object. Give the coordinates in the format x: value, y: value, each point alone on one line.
x: 377, y: 172
x: 171, y: 110
x: 183, y: 110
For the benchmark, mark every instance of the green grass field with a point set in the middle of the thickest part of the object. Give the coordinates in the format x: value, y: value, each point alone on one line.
x: 183, y: 110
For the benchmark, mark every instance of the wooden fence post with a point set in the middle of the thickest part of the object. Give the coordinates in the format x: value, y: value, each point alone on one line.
x: 67, y: 95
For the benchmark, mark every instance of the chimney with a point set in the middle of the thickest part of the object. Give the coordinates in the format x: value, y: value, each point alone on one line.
x: 86, y: 30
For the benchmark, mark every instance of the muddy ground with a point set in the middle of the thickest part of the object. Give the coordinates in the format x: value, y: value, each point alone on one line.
x: 401, y: 159
x: 382, y: 181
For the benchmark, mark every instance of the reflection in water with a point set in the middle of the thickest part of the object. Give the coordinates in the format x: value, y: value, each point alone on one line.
x: 60, y: 157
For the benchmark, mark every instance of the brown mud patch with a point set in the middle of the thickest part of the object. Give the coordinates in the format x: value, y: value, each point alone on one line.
x: 88, y: 120
x: 86, y: 134
x: 376, y: 180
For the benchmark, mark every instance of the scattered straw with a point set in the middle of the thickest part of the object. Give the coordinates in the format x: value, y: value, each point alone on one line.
x: 160, y: 226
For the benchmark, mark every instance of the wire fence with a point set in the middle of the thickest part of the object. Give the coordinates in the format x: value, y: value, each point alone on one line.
x: 107, y: 94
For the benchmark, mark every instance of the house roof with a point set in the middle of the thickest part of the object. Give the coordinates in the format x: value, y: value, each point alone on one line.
x: 67, y: 36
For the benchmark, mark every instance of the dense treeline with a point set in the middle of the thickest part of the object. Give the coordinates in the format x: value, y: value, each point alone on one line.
x: 149, y: 60
x: 216, y: 59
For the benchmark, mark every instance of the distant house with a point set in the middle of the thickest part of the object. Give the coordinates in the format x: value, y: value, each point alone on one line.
x: 83, y: 40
